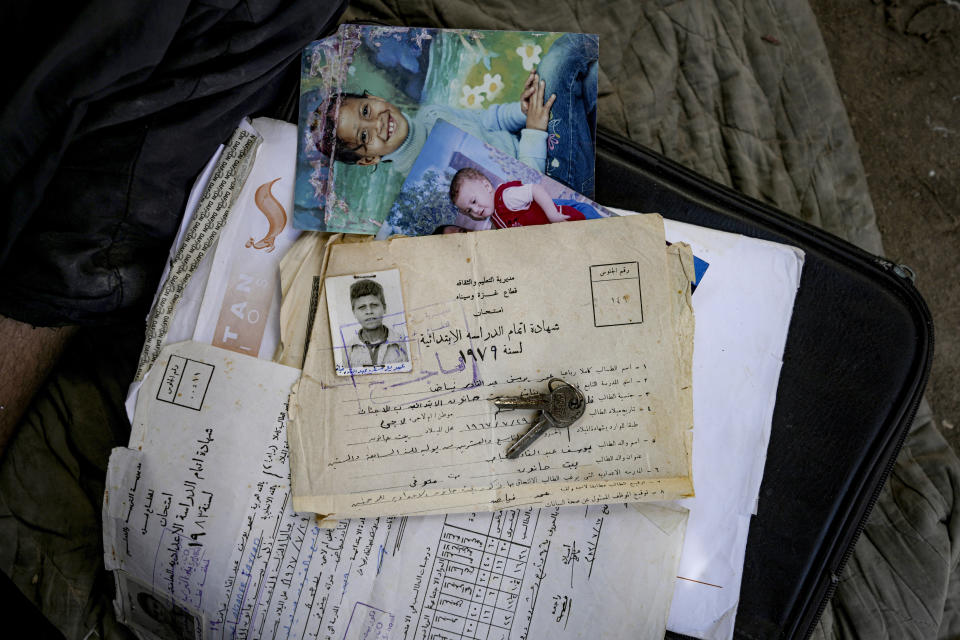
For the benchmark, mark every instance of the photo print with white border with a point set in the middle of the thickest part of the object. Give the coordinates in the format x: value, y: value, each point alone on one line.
x: 368, y: 325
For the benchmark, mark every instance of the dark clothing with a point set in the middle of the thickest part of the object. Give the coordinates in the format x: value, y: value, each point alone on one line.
x: 115, y: 108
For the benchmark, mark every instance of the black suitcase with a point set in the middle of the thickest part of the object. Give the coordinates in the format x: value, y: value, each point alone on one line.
x: 854, y: 369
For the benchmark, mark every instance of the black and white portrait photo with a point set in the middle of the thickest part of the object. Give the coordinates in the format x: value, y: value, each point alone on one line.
x: 367, y: 323
x: 155, y: 615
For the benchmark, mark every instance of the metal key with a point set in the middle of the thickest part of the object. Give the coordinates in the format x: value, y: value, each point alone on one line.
x: 560, y: 408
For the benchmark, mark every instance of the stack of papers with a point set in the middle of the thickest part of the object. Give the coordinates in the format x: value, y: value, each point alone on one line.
x: 288, y: 475
x: 199, y: 524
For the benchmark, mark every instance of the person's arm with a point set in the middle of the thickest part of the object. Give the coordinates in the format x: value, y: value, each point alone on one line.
x: 533, y: 139
x: 504, y: 117
x: 515, y: 117
x: 27, y: 354
x: 532, y: 148
x: 542, y: 198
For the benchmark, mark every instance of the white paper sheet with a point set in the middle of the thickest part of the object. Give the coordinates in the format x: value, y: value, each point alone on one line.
x: 743, y: 308
x: 241, y: 303
x: 199, y: 308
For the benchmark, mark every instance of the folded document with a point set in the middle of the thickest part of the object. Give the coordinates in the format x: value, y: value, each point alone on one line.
x: 410, y: 429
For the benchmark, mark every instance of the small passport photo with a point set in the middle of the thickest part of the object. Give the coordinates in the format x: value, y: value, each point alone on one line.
x: 154, y: 613
x: 367, y: 323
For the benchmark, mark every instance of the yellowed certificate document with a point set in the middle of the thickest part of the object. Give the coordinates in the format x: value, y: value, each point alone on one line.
x: 413, y: 336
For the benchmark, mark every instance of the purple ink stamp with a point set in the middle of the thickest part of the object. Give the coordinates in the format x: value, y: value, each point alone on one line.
x: 369, y: 623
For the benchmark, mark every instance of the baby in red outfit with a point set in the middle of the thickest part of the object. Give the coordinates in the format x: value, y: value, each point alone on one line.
x: 512, y: 204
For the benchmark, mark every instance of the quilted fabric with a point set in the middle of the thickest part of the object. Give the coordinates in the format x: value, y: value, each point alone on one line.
x: 739, y: 91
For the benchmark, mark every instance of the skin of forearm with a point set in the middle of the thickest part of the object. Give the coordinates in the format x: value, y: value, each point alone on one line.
x: 542, y: 198
x: 27, y: 354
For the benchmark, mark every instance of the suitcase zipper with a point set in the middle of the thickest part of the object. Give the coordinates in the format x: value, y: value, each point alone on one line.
x: 900, y: 270
x: 906, y: 273
x: 678, y: 173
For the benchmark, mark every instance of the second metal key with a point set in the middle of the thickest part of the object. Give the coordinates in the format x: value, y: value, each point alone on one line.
x: 561, y: 407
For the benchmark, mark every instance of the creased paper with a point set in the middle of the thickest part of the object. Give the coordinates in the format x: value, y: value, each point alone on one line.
x: 482, y: 316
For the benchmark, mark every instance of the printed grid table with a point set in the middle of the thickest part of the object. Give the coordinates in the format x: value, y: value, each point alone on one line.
x: 475, y: 582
